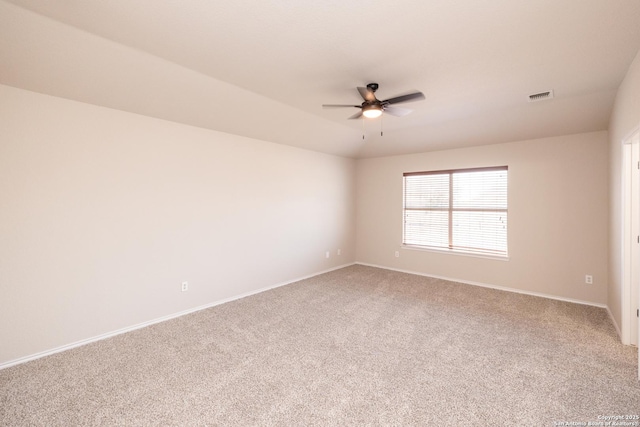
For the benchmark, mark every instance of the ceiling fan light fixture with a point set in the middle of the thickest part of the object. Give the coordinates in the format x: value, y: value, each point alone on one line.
x: 372, y: 111
x: 372, y: 107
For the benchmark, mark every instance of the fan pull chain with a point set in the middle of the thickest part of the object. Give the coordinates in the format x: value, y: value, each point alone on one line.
x: 362, y: 127
x: 381, y: 124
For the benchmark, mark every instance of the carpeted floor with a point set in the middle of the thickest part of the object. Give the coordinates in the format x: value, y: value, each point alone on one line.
x: 357, y: 346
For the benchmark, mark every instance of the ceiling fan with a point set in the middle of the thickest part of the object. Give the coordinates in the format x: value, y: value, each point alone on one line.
x: 372, y: 107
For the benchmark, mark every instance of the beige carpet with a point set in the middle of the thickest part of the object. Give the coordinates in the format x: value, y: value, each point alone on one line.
x: 357, y: 346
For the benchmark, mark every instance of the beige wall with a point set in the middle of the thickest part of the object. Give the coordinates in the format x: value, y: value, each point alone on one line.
x: 557, y: 216
x: 104, y: 213
x: 624, y: 119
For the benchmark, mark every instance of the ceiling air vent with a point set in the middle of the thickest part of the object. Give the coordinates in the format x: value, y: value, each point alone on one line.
x: 541, y: 96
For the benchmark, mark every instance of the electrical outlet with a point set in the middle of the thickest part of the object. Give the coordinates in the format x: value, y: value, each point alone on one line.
x: 339, y: 251
x: 327, y: 254
x: 397, y: 254
x: 588, y: 279
x: 185, y: 286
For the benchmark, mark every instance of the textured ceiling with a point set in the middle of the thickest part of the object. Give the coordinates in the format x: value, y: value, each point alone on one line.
x: 263, y: 69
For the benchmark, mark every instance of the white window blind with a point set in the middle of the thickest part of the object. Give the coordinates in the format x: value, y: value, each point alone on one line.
x: 460, y: 210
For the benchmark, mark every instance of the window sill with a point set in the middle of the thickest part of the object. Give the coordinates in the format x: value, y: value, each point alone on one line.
x: 456, y: 252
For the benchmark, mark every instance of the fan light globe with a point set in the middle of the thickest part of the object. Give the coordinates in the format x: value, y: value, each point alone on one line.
x: 372, y: 112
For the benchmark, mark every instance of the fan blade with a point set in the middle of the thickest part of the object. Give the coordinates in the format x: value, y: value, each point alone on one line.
x: 339, y: 106
x: 356, y: 115
x: 405, y: 98
x: 366, y: 94
x: 397, y: 111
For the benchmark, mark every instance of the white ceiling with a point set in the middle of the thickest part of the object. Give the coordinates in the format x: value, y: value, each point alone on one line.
x: 263, y: 69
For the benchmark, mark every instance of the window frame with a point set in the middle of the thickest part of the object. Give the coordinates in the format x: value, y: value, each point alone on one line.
x: 450, y: 248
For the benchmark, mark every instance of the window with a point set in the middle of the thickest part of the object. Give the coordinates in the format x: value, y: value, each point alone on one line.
x: 457, y: 210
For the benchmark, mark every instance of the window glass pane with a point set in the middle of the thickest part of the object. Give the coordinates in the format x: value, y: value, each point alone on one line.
x: 427, y: 191
x: 426, y: 228
x: 480, y: 189
x: 486, y: 231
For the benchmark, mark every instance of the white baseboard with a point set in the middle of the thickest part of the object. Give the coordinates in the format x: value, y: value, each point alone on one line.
x: 157, y: 320
x: 486, y: 285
